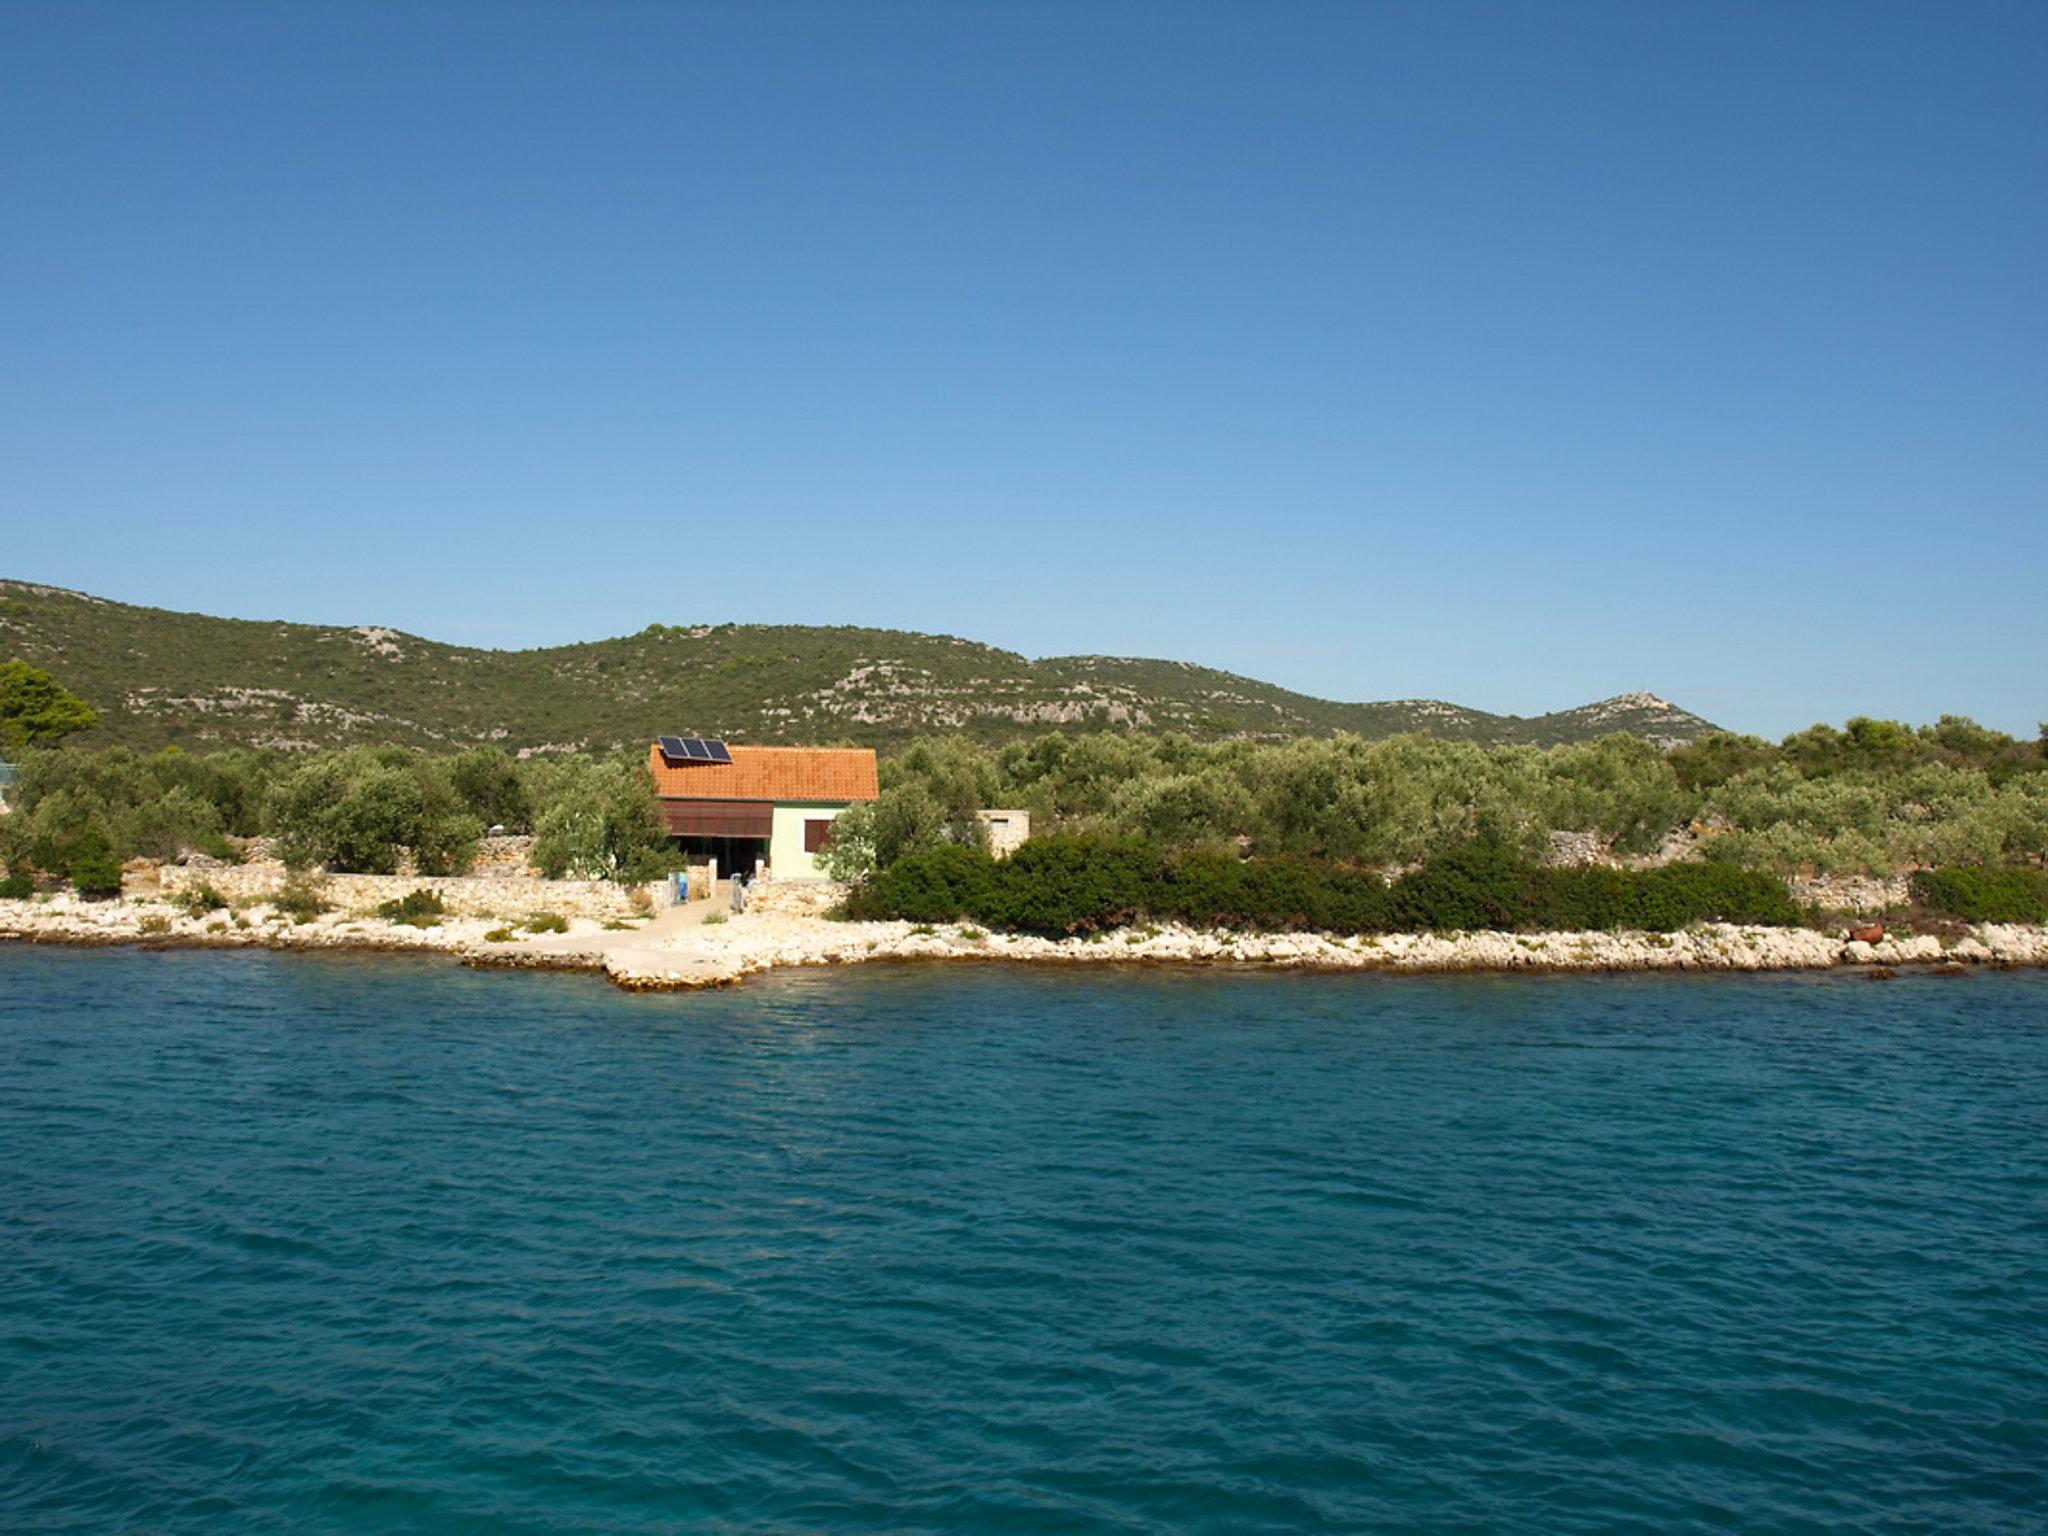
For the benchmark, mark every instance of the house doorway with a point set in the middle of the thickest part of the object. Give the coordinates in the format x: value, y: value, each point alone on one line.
x: 735, y: 855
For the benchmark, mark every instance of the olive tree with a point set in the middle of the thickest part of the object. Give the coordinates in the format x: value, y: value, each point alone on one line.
x: 599, y: 821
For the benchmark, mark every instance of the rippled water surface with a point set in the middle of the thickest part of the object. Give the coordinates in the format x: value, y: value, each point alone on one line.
x: 318, y: 1244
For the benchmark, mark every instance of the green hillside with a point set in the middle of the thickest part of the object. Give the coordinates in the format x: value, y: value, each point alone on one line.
x: 159, y: 677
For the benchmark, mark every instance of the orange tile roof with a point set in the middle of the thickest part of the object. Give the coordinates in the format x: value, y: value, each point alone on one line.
x: 771, y: 773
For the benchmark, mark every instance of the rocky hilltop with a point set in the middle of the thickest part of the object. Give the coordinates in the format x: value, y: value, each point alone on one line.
x: 160, y: 677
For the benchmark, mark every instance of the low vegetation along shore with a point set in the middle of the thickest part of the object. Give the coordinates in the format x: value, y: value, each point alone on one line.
x: 1408, y: 854
x: 620, y: 933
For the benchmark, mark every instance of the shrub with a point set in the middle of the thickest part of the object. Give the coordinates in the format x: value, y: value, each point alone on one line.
x: 299, y: 899
x: 93, y: 868
x: 1288, y: 892
x: 547, y: 922
x: 936, y: 885
x: 1984, y: 895
x: 17, y: 885
x: 1656, y: 900
x: 156, y: 923
x: 1082, y: 886
x: 420, y: 908
x: 1478, y: 885
x: 500, y: 936
x: 198, y: 900
x: 1057, y: 885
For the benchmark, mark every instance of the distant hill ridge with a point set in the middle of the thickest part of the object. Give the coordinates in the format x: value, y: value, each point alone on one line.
x: 159, y: 678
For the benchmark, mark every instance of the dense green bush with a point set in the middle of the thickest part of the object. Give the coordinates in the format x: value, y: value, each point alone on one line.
x: 1066, y: 885
x: 93, y: 869
x: 17, y: 885
x: 1069, y: 885
x: 935, y: 886
x: 1479, y: 885
x: 1984, y: 895
x: 1287, y: 891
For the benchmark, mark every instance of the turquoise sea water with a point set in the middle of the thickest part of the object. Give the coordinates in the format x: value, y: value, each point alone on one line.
x: 336, y: 1245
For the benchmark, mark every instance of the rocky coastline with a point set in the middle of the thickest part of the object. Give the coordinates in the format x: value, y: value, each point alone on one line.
x: 683, y: 948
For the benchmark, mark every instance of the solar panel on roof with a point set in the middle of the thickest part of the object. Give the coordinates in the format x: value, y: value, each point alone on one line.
x: 694, y: 749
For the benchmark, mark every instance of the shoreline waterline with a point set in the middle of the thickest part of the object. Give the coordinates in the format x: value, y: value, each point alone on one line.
x: 673, y: 956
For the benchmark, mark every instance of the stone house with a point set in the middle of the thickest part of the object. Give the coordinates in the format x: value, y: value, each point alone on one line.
x: 1007, y: 830
x: 757, y: 807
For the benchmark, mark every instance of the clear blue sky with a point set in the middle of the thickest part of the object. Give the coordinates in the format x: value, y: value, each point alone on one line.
x: 1513, y: 354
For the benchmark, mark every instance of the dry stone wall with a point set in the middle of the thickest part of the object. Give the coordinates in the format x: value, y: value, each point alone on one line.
x: 508, y: 896
x: 1853, y: 893
x: 796, y: 898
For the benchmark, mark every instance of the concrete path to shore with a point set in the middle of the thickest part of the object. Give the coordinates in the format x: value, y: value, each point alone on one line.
x: 656, y: 949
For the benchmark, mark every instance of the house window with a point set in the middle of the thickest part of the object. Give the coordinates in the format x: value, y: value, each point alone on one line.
x: 817, y: 834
